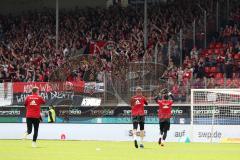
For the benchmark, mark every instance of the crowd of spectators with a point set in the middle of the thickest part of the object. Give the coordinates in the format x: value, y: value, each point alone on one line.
x: 28, y: 45
x: 217, y: 66
x: 29, y: 38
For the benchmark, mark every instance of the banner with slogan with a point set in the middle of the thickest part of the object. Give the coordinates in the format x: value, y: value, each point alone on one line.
x: 53, y: 92
x: 26, y: 87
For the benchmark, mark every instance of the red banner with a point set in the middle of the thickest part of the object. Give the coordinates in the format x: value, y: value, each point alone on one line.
x: 26, y: 87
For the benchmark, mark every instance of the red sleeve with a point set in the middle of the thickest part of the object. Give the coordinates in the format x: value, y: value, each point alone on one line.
x: 145, y: 101
x: 132, y: 102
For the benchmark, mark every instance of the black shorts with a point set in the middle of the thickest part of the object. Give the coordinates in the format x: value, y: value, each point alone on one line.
x: 138, y: 120
x: 164, y: 124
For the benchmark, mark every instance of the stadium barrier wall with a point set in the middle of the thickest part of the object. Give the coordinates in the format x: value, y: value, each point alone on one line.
x: 121, y: 132
x: 97, y: 114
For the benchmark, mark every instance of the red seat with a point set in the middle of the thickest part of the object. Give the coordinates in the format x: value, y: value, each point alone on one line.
x: 229, y: 82
x: 213, y: 69
x: 237, y: 56
x: 236, y: 81
x: 209, y: 51
x: 220, y: 81
x: 217, y: 51
x: 212, y: 46
x: 207, y: 69
x: 222, y: 53
x: 219, y: 75
x: 204, y: 53
x: 225, y: 45
x: 219, y: 45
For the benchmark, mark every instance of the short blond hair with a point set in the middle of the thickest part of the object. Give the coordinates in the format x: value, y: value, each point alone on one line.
x: 138, y: 88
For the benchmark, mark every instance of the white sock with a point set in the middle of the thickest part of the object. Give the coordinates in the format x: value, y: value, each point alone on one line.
x: 34, y: 144
x: 160, y: 136
x: 163, y: 141
x: 134, y: 137
x: 141, y: 140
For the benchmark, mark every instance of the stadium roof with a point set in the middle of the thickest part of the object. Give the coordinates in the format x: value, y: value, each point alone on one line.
x: 13, y: 6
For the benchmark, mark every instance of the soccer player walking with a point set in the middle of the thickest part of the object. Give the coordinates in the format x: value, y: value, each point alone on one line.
x: 33, y: 117
x: 137, y: 103
x: 164, y: 114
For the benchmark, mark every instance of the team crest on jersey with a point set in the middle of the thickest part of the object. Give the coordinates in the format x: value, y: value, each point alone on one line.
x: 137, y: 102
x: 165, y: 106
x: 33, y: 103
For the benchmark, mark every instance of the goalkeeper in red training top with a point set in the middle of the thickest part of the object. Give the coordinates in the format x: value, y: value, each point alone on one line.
x: 164, y: 114
x: 137, y: 104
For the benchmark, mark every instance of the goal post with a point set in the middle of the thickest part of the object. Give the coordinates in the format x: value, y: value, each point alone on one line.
x: 214, y: 108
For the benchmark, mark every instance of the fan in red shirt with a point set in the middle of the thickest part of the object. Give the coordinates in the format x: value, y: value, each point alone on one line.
x: 137, y: 104
x: 33, y: 103
x: 164, y: 115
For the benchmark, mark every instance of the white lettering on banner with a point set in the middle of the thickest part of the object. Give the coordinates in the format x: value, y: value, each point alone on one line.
x: 130, y: 133
x: 235, y: 111
x: 44, y: 95
x: 128, y: 112
x: 60, y: 95
x: 177, y: 111
x: 209, y: 135
x: 70, y: 112
x: 75, y: 112
x: 42, y: 87
x: 119, y: 132
x: 180, y: 134
x: 47, y: 96
x: 103, y: 112
x: 21, y: 98
x: 68, y: 86
x: 28, y: 88
x: 7, y: 113
x: 204, y: 112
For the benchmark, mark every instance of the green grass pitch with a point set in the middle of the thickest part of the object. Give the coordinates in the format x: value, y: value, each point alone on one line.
x: 101, y: 150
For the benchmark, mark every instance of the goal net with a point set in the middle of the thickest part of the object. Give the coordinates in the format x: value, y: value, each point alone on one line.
x: 211, y: 108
